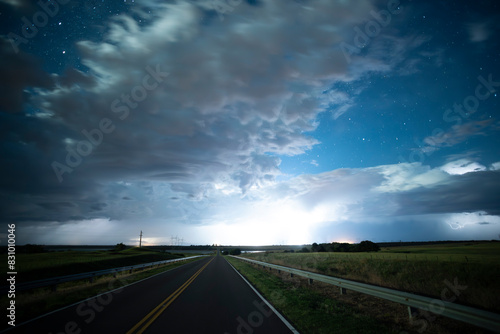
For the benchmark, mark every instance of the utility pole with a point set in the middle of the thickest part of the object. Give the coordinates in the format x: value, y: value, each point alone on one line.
x: 140, y: 240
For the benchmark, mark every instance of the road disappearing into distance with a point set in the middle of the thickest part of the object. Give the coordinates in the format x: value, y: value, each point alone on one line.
x: 205, y: 296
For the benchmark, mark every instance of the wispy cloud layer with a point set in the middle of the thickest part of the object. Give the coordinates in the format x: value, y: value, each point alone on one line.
x: 460, y: 133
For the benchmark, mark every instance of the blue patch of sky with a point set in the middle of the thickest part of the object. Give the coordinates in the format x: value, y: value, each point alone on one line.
x: 393, y: 115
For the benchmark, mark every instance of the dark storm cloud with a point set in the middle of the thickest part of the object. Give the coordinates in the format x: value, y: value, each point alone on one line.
x: 470, y: 192
x: 73, y: 77
x: 56, y: 206
x: 19, y: 71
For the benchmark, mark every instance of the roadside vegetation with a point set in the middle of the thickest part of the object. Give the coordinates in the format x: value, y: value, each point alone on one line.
x: 424, y: 270
x: 40, y: 265
x: 309, y: 310
x: 363, y: 246
x: 232, y: 251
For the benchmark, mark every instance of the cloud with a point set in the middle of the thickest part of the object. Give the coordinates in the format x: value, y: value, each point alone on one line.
x: 16, y: 3
x: 407, y: 176
x: 462, y: 166
x: 469, y: 192
x: 200, y: 110
x: 459, y: 133
x: 461, y: 220
x: 219, y: 116
x: 420, y: 202
x: 305, y: 208
x: 396, y: 52
x: 340, y: 102
x: 24, y: 72
x: 495, y: 166
x: 390, y: 191
x: 479, y: 31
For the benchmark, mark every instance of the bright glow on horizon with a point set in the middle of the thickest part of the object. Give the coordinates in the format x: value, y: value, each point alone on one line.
x: 284, y: 223
x: 344, y: 241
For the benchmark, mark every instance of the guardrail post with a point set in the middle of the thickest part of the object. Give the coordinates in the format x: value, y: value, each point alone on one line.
x: 343, y: 291
x: 412, y: 312
x: 310, y: 281
x: 291, y: 274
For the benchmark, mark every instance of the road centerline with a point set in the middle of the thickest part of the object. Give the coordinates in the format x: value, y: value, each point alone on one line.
x: 145, y: 322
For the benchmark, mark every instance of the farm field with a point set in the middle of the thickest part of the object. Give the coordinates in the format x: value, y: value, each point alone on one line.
x: 424, y: 270
x: 51, y: 264
x: 483, y: 252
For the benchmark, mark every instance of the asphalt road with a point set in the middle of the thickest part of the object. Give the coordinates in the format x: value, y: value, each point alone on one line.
x: 206, y: 296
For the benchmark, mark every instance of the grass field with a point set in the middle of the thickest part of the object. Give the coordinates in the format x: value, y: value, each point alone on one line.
x: 422, y: 270
x: 483, y: 252
x: 32, y: 267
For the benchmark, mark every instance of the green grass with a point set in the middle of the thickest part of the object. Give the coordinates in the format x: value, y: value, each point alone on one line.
x: 308, y: 310
x: 33, y: 303
x: 32, y: 267
x: 422, y: 270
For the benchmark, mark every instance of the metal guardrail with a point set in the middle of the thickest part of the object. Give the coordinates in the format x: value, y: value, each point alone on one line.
x: 473, y: 316
x: 52, y: 282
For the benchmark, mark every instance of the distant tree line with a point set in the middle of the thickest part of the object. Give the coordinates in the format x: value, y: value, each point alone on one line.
x: 31, y: 249
x: 233, y: 251
x: 119, y: 247
x: 181, y: 248
x: 363, y: 246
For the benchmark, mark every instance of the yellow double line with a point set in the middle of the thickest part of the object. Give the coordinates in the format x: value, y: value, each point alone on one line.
x: 142, y: 325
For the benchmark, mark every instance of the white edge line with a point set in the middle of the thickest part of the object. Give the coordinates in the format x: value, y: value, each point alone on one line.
x: 282, y: 318
x: 84, y: 300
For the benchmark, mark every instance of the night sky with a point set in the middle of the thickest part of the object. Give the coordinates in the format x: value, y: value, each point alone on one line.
x: 249, y: 122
